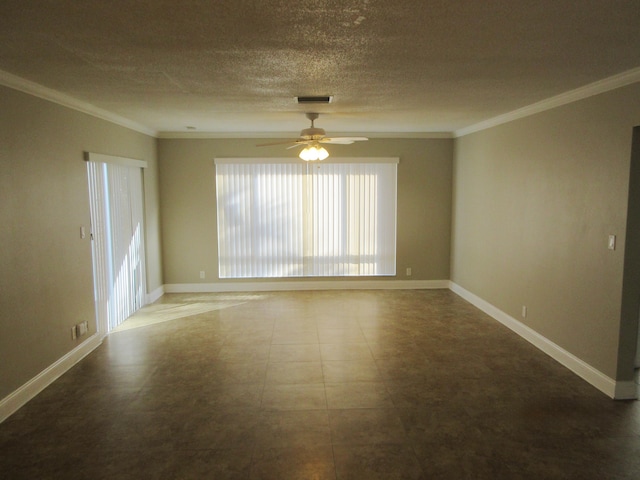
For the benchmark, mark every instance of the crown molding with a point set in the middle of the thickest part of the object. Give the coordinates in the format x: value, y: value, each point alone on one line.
x: 26, y: 86
x: 595, y: 88
x: 240, y: 135
x: 229, y: 135
x: 601, y: 86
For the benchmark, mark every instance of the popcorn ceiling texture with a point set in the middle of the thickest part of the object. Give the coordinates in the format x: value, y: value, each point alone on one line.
x: 235, y: 66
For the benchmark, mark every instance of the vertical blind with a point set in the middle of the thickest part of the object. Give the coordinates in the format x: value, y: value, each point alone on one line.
x: 289, y: 219
x: 116, y: 201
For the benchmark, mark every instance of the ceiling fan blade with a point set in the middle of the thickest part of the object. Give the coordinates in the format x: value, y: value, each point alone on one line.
x: 313, y: 136
x: 342, y: 140
x: 276, y: 143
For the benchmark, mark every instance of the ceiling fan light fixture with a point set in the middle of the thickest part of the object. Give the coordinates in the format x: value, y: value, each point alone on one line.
x: 313, y: 152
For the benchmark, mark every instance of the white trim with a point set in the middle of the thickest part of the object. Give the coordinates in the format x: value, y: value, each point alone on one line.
x: 155, y: 295
x: 294, y: 135
x: 595, y: 88
x: 626, y: 390
x: 311, y: 285
x: 607, y: 385
x: 26, y: 86
x: 272, y: 160
x: 114, y: 160
x: 14, y: 401
x: 601, y: 86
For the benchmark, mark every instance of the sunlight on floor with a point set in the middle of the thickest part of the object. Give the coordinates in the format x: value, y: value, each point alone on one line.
x: 165, y: 312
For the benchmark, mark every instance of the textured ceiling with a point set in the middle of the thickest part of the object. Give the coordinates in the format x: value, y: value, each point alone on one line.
x: 392, y: 66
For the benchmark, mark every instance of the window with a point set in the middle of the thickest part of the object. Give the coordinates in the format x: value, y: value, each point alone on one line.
x: 286, y: 218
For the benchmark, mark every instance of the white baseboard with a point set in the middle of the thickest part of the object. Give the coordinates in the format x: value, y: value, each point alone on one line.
x: 626, y: 390
x: 155, y: 295
x: 13, y: 402
x: 604, y: 383
x: 310, y: 285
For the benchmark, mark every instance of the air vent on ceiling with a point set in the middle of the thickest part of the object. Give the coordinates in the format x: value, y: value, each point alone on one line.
x: 314, y: 100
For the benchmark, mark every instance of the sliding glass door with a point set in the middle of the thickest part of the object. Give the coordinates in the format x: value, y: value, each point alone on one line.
x: 116, y: 198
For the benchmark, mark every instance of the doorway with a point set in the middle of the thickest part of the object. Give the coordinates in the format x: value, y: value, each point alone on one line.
x: 117, y: 234
x: 629, y: 340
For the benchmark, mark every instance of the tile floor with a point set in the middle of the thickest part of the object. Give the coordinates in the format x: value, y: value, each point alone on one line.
x: 319, y: 385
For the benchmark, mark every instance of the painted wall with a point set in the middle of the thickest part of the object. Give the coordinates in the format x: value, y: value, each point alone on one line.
x: 188, y: 198
x: 46, y: 279
x: 534, y: 202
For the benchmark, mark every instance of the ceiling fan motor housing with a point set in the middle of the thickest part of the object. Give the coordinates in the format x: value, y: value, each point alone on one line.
x: 313, y: 133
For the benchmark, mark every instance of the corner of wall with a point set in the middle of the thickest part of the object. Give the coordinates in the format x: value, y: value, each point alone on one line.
x: 155, y: 295
x: 13, y: 402
x: 615, y: 389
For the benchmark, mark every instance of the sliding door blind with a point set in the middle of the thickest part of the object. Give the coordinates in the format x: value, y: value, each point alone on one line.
x: 298, y: 219
x: 118, y: 244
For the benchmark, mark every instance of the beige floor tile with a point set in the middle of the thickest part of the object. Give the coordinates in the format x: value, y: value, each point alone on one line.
x: 358, y: 395
x: 351, y: 371
x: 294, y: 373
x: 313, y: 462
x: 378, y: 462
x: 340, y: 335
x: 294, y: 397
x: 243, y: 353
x: 366, y: 426
x: 293, y: 428
x: 295, y: 353
x: 224, y: 372
x: 345, y: 352
x: 288, y: 337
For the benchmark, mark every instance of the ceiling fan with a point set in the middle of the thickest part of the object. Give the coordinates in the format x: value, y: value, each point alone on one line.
x: 311, y: 139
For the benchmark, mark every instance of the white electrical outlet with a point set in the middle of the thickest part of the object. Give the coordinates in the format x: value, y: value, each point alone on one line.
x: 408, y: 271
x: 612, y: 242
x: 524, y: 311
x: 201, y: 273
x: 74, y: 333
x: 82, y: 328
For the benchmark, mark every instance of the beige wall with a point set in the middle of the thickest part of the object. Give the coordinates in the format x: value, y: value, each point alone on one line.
x: 187, y: 179
x: 46, y: 280
x: 534, y: 202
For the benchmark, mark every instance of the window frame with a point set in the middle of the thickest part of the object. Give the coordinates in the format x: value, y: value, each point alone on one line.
x: 391, y: 262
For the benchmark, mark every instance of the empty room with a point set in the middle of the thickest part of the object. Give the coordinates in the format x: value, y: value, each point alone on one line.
x: 319, y: 240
